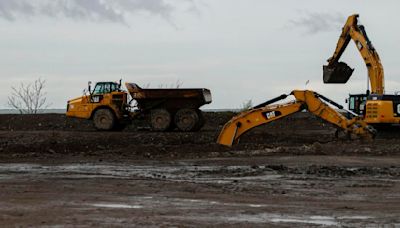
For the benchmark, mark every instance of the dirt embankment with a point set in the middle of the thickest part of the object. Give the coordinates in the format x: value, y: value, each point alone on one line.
x: 52, y: 135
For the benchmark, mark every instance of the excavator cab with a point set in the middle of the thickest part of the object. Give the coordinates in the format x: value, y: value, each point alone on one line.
x: 357, y: 103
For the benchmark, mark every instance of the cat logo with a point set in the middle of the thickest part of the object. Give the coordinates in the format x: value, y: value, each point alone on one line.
x: 271, y: 114
x: 96, y: 99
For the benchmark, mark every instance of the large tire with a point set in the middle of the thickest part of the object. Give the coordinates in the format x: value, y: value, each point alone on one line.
x: 202, y: 120
x: 104, y: 120
x: 160, y: 119
x: 187, y: 119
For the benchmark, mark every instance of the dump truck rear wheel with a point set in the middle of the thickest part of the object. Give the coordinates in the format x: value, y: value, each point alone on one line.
x: 160, y: 119
x: 201, y: 121
x: 187, y: 119
x: 104, y: 120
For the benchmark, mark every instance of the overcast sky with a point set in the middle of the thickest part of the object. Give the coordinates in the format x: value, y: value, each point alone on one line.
x: 240, y: 49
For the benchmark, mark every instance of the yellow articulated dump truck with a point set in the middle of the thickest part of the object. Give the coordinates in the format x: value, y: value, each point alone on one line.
x: 112, y: 108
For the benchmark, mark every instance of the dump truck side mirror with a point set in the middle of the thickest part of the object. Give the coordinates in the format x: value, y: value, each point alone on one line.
x: 89, y: 86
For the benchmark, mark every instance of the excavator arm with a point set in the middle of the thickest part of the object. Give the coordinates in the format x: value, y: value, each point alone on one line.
x: 247, y: 120
x: 339, y: 72
x: 304, y: 99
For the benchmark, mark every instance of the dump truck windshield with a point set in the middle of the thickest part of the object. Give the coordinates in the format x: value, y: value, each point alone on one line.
x: 105, y: 87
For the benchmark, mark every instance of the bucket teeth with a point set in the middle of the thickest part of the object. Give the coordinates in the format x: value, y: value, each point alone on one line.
x: 339, y: 73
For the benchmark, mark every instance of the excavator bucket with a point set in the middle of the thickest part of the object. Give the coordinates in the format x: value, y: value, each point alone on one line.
x: 339, y: 73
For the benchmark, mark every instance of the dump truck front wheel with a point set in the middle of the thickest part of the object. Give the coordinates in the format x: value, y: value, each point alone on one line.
x: 160, y: 119
x: 104, y: 120
x: 187, y: 119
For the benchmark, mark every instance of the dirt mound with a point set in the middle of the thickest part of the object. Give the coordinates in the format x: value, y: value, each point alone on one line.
x: 42, y: 122
x: 214, y: 120
x: 53, y: 135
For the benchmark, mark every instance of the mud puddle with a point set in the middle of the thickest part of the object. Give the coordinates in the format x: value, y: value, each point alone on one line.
x: 179, y: 172
x: 202, y: 193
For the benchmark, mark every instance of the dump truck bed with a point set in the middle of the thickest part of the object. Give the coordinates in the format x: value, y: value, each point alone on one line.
x: 171, y: 99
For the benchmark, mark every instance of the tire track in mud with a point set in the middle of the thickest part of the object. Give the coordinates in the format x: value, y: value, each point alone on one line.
x: 280, y: 191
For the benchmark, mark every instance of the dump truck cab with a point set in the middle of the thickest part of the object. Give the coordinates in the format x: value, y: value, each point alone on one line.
x: 110, y: 95
x: 105, y: 104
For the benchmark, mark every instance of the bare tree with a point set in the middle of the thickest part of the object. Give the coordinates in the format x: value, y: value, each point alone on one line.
x: 178, y: 84
x: 246, y: 105
x: 28, y: 98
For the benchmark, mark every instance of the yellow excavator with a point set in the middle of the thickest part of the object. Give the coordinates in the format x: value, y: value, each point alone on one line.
x: 375, y: 107
x: 311, y: 101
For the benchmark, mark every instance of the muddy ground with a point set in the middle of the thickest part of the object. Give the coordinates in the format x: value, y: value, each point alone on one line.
x: 56, y: 171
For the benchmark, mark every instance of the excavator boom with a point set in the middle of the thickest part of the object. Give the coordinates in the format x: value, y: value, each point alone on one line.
x: 340, y: 72
x: 305, y: 99
x: 247, y: 120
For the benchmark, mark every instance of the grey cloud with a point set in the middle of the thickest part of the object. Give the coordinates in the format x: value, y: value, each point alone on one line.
x: 89, y: 10
x: 312, y: 23
x: 9, y: 7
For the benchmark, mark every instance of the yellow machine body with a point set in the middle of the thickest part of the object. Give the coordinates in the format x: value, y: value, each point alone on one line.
x: 304, y: 100
x: 108, y: 98
x: 381, y: 112
x: 375, y: 106
x: 164, y: 109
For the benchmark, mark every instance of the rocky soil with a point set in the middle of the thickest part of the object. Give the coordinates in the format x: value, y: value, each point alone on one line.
x: 56, y: 171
